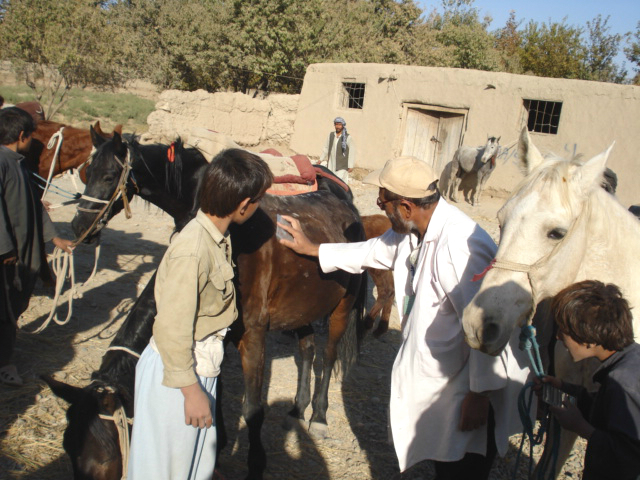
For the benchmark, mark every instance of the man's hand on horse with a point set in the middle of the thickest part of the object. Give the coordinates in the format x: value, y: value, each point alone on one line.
x: 300, y: 243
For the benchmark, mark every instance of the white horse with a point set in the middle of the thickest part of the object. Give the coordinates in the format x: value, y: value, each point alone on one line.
x: 480, y: 161
x: 558, y: 228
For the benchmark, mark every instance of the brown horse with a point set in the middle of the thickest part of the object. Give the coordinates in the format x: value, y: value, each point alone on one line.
x: 277, y: 289
x: 374, y: 226
x: 75, y: 150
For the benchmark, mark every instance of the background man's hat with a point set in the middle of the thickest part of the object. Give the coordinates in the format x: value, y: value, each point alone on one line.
x: 405, y: 176
x: 340, y: 120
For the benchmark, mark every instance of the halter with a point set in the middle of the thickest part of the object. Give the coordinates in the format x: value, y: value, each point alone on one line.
x: 120, y: 191
x: 120, y: 419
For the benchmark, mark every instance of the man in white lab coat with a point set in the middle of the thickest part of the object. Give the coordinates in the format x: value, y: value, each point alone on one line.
x: 448, y: 403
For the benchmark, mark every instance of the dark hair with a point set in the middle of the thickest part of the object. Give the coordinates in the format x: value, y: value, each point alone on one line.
x: 592, y: 312
x: 423, y: 202
x: 232, y: 176
x: 13, y: 121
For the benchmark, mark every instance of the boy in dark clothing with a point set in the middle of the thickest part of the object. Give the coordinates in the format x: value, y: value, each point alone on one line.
x: 24, y: 228
x: 594, y: 320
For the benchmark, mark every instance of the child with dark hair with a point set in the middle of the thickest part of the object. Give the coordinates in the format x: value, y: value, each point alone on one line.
x: 24, y: 228
x: 196, y: 303
x: 594, y: 320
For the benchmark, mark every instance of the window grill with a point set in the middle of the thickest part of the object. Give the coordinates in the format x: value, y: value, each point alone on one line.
x: 353, y: 95
x: 543, y: 116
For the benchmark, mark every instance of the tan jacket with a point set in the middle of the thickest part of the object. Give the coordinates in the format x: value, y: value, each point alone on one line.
x: 195, y: 296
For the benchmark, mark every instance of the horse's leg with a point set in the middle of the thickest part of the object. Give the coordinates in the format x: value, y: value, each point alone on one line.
x: 251, y: 349
x: 482, y: 179
x: 338, y: 323
x: 384, y: 297
x: 303, y: 394
x: 455, y: 181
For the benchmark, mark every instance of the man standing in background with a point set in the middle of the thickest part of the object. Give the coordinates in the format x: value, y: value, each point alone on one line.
x: 339, y: 153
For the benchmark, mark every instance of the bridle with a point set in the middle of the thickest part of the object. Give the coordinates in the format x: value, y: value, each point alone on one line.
x: 120, y: 419
x: 102, y: 214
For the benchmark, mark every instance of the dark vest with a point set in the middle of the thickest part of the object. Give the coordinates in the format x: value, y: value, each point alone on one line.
x: 342, y: 159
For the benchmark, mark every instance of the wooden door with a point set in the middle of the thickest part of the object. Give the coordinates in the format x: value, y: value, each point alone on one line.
x: 421, y: 126
x: 432, y: 136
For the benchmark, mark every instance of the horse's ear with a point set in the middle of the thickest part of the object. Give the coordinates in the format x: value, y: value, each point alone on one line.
x: 98, y: 129
x: 529, y: 155
x: 96, y: 138
x: 118, y: 128
x: 590, y: 173
x: 118, y: 145
x: 67, y: 392
x: 498, y: 141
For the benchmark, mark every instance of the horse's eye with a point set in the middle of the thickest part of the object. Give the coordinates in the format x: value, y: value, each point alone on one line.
x: 557, y: 234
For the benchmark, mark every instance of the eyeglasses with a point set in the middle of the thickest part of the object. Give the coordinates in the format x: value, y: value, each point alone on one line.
x: 382, y: 203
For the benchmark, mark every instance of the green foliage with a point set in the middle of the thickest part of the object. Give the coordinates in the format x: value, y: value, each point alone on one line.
x: 632, y: 52
x: 553, y: 50
x: 243, y: 45
x: 85, y: 107
x: 58, y: 45
x: 602, y: 48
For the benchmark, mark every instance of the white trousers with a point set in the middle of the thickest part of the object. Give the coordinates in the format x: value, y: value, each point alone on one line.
x: 162, y: 446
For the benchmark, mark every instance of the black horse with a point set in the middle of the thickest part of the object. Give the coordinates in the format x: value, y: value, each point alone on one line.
x: 277, y: 289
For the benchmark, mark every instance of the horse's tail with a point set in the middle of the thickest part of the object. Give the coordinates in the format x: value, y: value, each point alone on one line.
x: 349, y: 346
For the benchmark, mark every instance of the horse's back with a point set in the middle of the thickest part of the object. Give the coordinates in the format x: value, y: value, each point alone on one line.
x: 275, y: 281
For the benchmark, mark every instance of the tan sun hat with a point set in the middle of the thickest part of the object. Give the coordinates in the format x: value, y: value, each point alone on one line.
x: 405, y: 176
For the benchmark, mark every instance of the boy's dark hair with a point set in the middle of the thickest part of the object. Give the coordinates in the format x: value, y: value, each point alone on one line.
x: 591, y: 312
x: 423, y: 202
x: 232, y: 176
x: 14, y: 120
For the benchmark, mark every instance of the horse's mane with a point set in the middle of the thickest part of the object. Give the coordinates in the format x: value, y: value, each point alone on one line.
x: 550, y: 178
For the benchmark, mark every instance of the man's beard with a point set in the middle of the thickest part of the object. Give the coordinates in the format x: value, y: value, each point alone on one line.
x: 399, y: 224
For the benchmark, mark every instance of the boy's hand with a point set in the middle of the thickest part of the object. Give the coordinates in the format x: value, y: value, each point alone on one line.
x: 63, y: 244
x: 197, y: 409
x: 570, y: 418
x: 538, y: 383
x: 300, y: 243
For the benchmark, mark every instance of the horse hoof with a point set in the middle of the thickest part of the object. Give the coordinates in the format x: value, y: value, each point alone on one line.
x: 381, y: 330
x: 318, y: 430
x: 290, y: 423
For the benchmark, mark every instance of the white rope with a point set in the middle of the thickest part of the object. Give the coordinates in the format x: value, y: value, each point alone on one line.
x: 62, y: 266
x: 56, y: 139
x: 119, y: 418
x: 124, y: 349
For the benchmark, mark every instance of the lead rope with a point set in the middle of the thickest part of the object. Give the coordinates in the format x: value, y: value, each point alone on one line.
x: 122, y: 422
x: 56, y: 139
x: 63, y: 265
x: 119, y: 418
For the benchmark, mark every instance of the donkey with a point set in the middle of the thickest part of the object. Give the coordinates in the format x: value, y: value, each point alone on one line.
x: 479, y: 161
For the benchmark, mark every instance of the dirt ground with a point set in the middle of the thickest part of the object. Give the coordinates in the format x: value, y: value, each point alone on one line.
x: 32, y: 419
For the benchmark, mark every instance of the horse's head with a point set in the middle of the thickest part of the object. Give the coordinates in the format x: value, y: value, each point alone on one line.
x: 491, y: 149
x: 108, y: 180
x: 91, y: 442
x: 542, y: 242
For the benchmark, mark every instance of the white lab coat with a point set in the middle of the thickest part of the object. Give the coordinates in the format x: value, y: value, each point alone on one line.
x: 434, y: 368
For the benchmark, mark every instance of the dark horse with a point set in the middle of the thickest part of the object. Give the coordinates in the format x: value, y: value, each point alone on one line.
x: 277, y: 289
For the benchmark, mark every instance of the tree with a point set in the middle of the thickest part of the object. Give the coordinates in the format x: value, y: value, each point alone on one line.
x: 632, y: 53
x: 601, y: 50
x: 553, y: 50
x: 460, y: 30
x: 59, y: 45
x: 508, y: 42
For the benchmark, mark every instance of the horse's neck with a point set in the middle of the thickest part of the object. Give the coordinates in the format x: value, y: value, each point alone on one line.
x: 612, y: 249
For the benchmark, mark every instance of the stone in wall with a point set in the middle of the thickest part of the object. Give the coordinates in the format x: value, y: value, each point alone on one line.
x: 248, y: 121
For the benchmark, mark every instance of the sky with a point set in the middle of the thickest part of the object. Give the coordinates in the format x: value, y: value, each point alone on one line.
x: 624, y: 14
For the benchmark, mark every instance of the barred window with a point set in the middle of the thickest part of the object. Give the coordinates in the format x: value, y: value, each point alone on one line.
x: 543, y: 117
x: 352, y: 95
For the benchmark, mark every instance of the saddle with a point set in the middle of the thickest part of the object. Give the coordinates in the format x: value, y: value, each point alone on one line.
x: 291, y: 175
